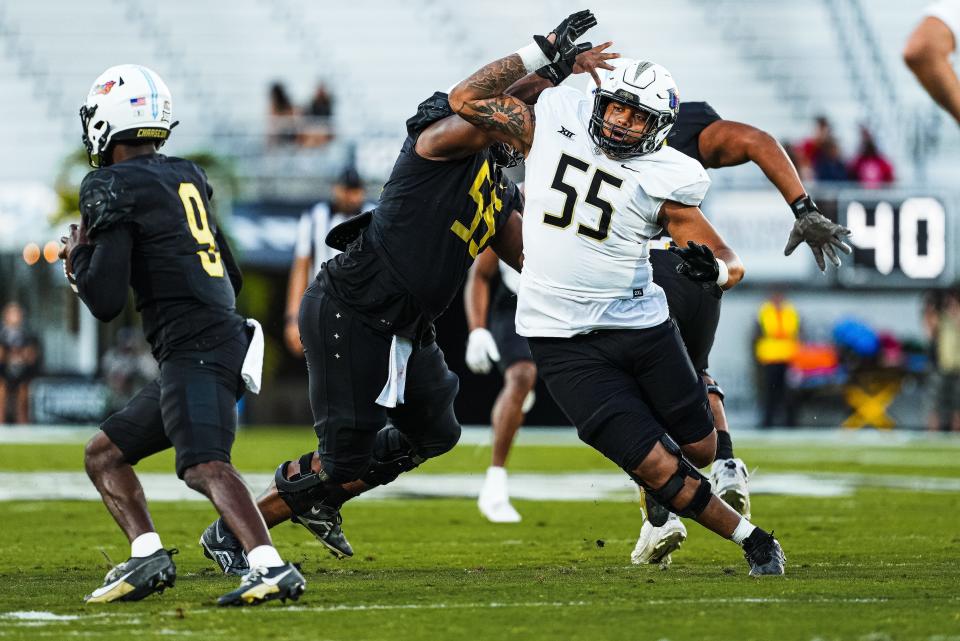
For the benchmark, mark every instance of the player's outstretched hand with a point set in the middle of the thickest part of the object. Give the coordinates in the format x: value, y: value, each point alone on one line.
x: 560, y: 45
x: 823, y: 236
x: 482, y: 351
x: 567, y: 33
x: 592, y: 59
x: 698, y: 263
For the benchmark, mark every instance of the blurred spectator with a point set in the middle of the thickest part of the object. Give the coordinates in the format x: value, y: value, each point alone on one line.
x: 829, y: 166
x: 282, y: 125
x: 810, y: 149
x: 19, y: 358
x: 777, y: 341
x: 317, y: 130
x: 930, y: 312
x: 322, y: 103
x: 946, y: 330
x: 869, y: 168
x: 311, y: 250
x: 127, y: 367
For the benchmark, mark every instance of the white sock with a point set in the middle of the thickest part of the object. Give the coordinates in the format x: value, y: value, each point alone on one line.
x: 264, y: 556
x: 495, y: 485
x: 145, y: 545
x: 497, y: 479
x: 497, y: 474
x: 744, y: 529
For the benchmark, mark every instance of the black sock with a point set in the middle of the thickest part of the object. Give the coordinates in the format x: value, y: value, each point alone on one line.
x: 756, y: 537
x: 724, y: 446
x: 336, y: 495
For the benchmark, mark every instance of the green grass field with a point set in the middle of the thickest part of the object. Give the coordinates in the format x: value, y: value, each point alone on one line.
x: 873, y: 565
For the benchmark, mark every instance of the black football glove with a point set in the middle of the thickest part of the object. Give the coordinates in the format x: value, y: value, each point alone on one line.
x: 562, y: 53
x: 822, y: 234
x: 698, y: 263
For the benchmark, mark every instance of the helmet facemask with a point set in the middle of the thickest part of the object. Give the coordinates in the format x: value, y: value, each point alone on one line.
x: 95, y: 136
x: 633, y: 142
x: 504, y: 155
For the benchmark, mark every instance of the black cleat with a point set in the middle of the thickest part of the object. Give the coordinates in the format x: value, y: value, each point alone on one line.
x: 266, y: 584
x: 324, y: 523
x: 136, y: 578
x: 764, y: 555
x: 221, y: 546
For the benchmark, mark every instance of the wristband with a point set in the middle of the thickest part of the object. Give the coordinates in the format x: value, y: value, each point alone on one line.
x: 724, y: 274
x: 533, y: 57
x: 803, y: 205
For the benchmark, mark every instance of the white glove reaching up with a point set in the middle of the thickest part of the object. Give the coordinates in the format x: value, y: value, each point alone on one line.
x: 482, y: 351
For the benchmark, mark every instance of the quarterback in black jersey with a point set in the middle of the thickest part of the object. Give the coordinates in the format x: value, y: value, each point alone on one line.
x: 145, y: 224
x: 366, y: 322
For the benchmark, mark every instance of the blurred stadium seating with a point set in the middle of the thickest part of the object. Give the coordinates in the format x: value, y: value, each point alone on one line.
x: 220, y: 61
x: 772, y: 63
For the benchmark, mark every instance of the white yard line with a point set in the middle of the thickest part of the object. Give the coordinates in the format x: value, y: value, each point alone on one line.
x: 21, y: 617
x: 38, y: 486
x: 481, y: 435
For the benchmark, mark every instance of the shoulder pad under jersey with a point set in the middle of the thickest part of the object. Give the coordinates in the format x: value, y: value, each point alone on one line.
x: 104, y: 201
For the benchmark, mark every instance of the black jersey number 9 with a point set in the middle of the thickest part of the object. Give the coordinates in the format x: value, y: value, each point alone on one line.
x: 196, y: 215
x: 564, y: 219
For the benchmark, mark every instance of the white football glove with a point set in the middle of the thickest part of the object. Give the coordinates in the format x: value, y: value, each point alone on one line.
x: 482, y: 351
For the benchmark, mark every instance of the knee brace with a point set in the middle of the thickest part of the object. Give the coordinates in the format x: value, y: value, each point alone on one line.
x: 669, y: 490
x: 304, y: 491
x: 392, y: 456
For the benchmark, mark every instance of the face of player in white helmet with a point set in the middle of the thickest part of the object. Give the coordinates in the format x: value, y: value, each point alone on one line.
x: 624, y: 124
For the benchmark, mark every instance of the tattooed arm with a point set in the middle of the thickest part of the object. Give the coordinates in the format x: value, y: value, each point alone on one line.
x: 529, y: 88
x: 480, y: 100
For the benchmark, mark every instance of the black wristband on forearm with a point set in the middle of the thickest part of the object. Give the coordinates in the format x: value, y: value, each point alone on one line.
x: 803, y: 205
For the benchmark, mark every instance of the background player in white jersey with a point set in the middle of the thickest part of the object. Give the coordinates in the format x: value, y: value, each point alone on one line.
x: 929, y: 50
x: 490, y: 299
x: 599, y: 328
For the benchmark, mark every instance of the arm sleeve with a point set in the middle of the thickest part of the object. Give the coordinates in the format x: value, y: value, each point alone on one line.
x: 229, y: 262
x: 102, y: 271
x: 674, y: 176
x: 948, y: 12
x: 701, y: 114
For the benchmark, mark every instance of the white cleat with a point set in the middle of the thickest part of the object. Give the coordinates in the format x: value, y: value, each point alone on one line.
x: 656, y: 543
x: 494, y: 500
x: 730, y: 478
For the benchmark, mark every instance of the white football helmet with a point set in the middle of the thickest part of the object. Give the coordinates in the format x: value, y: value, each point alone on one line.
x: 642, y: 85
x: 126, y: 102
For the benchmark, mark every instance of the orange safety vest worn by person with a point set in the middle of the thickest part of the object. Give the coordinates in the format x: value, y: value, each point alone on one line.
x: 779, y: 332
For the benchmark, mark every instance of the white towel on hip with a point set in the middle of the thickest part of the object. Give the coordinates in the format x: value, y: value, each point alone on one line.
x: 392, y: 393
x: 252, y: 370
